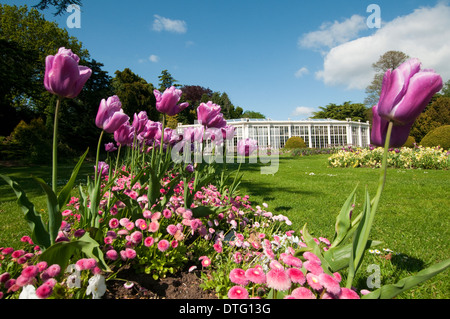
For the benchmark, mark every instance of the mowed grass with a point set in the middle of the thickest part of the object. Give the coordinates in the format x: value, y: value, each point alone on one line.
x: 412, y: 218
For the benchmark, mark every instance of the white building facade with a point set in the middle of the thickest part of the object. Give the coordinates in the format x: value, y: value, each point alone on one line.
x: 317, y: 133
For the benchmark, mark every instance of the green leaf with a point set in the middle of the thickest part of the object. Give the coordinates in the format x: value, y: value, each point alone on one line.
x: 54, y: 215
x: 343, y: 223
x: 39, y: 233
x: 64, y: 195
x: 61, y: 252
x: 390, y: 291
x: 339, y: 257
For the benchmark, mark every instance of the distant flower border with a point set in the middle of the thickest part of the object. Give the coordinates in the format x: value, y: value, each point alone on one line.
x: 418, y: 157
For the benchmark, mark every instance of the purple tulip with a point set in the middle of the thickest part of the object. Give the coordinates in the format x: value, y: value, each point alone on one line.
x: 110, y: 115
x: 247, y: 146
x: 209, y: 115
x: 103, y: 168
x: 63, y: 76
x: 110, y: 147
x: 139, y: 121
x: 399, y: 134
x: 228, y: 132
x: 151, y: 130
x: 406, y: 91
x: 167, y: 102
x: 124, y: 135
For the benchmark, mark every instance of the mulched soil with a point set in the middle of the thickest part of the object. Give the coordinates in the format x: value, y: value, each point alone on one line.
x: 183, y: 285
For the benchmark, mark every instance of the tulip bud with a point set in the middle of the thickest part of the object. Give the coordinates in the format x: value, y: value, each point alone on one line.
x: 209, y: 115
x: 63, y: 76
x: 247, y: 146
x: 167, y: 102
x: 110, y: 115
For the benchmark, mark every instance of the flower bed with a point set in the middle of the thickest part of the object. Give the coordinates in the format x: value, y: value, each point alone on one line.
x: 417, y: 157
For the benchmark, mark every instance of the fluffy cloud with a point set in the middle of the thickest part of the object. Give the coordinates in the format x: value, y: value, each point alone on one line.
x: 424, y: 34
x: 303, y: 111
x: 165, y: 24
x: 332, y: 34
x: 153, y: 58
x: 301, y: 72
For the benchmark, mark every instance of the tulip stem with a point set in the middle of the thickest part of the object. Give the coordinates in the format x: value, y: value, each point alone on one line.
x: 55, y: 147
x: 98, y: 155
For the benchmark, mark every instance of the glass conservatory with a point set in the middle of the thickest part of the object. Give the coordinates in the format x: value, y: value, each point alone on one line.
x: 317, y: 133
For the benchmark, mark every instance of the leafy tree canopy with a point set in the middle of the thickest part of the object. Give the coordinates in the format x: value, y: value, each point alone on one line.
x: 60, y: 5
x: 355, y: 111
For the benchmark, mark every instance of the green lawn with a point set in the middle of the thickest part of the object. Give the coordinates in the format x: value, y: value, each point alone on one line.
x: 412, y: 218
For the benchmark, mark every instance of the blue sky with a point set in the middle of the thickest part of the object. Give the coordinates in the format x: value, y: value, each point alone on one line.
x: 281, y: 58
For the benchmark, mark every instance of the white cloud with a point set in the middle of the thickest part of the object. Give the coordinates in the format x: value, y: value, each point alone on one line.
x: 423, y: 34
x: 301, y: 72
x: 165, y: 24
x: 303, y: 111
x: 154, y: 58
x: 332, y: 34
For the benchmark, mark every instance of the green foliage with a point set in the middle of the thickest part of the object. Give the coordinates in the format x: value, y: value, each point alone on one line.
x: 410, y: 142
x: 135, y: 94
x: 355, y: 111
x: 295, y: 142
x: 253, y: 115
x: 438, y: 137
x: 435, y: 115
x: 60, y: 5
x: 33, y: 141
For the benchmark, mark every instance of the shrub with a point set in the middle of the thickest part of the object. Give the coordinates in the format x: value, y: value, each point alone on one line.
x: 438, y: 137
x: 410, y: 142
x: 295, y: 142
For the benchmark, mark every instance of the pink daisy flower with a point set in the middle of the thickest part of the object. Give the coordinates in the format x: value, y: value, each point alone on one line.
x: 136, y: 237
x: 348, y: 294
x: 330, y: 283
x: 153, y: 227
x: 303, y: 293
x: 311, y: 257
x: 130, y: 253
x: 313, y: 267
x: 274, y: 264
x: 237, y: 292
x: 167, y: 213
x: 42, y: 265
x: 278, y: 279
x: 337, y: 276
x: 112, y: 254
x: 172, y: 229
x: 53, y: 270
x: 255, y: 275
x: 313, y: 281
x: 237, y: 276
x: 163, y: 245
x: 44, y: 291
x: 147, y: 214
x: 296, y: 275
x: 291, y: 261
x: 149, y: 241
x: 206, y: 262
x: 30, y: 271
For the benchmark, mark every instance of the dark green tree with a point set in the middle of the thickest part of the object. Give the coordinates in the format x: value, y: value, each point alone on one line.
x: 253, y: 115
x: 135, y: 94
x: 60, y: 5
x: 166, y: 80
x: 355, y: 111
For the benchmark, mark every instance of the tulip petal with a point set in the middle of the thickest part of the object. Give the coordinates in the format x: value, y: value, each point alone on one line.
x: 421, y: 89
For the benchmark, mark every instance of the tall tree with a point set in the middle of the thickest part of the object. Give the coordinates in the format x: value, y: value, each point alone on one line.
x: 389, y: 60
x: 135, y: 94
x: 253, y: 115
x: 166, y: 80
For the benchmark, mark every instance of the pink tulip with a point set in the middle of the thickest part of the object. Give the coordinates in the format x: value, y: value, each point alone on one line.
x: 406, y: 91
x: 110, y: 115
x: 139, y: 121
x: 399, y: 134
x: 209, y: 115
x: 246, y: 147
x: 167, y: 102
x: 63, y: 76
x: 124, y: 134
